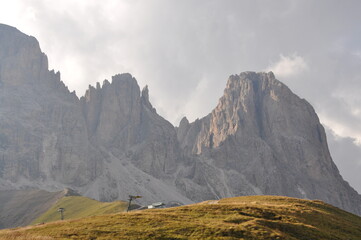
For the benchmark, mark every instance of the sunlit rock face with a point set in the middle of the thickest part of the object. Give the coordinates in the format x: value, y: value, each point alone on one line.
x: 260, y: 139
x: 262, y: 133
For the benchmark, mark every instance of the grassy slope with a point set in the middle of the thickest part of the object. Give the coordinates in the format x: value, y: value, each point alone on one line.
x: 79, y: 207
x: 256, y: 217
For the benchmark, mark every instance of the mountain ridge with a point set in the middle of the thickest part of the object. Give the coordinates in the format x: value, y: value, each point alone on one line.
x: 260, y: 139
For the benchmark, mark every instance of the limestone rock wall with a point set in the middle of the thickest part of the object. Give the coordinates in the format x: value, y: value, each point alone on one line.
x: 272, y: 138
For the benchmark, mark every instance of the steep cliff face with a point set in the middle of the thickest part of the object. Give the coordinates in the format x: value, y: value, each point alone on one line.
x: 42, y: 131
x: 123, y: 121
x: 262, y: 131
x: 140, y: 147
x: 260, y: 139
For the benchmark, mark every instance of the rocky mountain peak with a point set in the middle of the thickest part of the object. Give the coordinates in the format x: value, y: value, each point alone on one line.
x: 145, y: 93
x: 238, y: 108
x: 257, y: 84
x: 22, y: 53
x: 259, y: 126
x: 124, y: 78
x: 145, y: 99
x: 242, y: 107
x: 184, y: 122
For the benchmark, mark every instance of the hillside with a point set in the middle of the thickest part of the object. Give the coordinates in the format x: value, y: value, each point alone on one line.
x: 253, y: 217
x: 78, y: 207
x: 24, y: 207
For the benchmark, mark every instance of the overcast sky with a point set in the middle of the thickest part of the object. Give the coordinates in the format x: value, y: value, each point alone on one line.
x: 185, y: 51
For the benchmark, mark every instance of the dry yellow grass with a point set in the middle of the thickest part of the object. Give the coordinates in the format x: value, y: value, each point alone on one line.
x: 255, y: 217
x: 79, y: 207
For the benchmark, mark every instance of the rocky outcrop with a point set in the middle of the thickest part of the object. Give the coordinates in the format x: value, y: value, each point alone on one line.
x: 260, y: 139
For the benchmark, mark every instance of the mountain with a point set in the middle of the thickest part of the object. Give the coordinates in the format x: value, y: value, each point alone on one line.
x: 260, y: 139
x: 253, y: 217
x: 263, y: 139
x: 98, y: 145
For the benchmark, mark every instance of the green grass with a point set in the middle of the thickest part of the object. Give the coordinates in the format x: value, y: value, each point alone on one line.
x: 79, y: 207
x: 255, y: 217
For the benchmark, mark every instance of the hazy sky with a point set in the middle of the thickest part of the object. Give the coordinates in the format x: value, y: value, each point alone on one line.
x: 185, y: 51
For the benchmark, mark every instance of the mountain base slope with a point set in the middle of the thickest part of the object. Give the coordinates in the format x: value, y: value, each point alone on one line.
x: 79, y: 207
x: 252, y: 217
